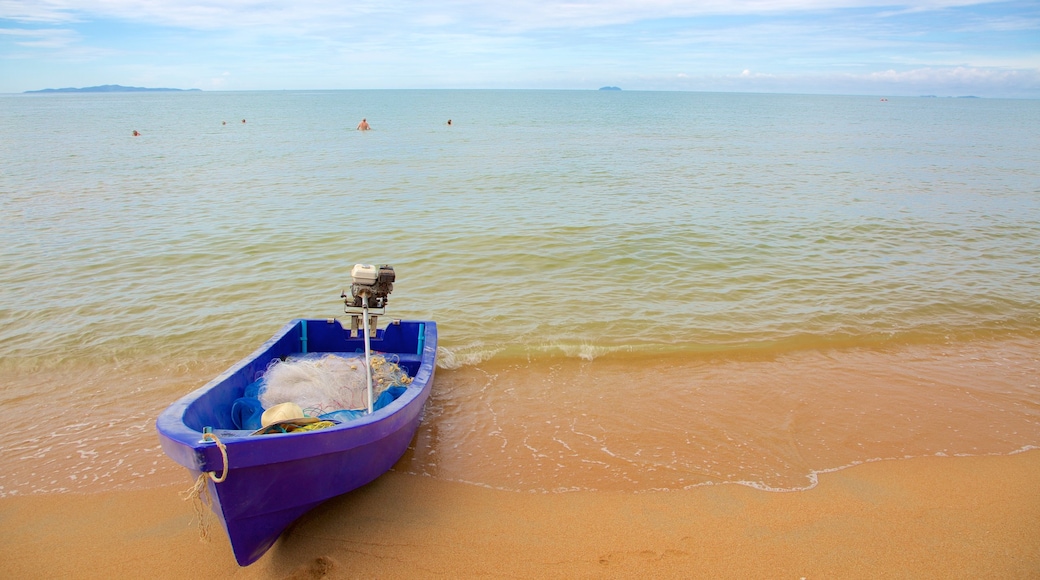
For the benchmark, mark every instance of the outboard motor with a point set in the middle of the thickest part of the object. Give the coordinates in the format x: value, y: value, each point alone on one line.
x: 369, y: 292
x: 377, y: 283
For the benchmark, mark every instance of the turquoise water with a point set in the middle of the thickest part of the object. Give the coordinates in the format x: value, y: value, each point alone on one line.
x: 541, y: 228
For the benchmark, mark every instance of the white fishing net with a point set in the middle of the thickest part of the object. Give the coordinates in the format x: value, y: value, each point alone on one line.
x: 329, y: 383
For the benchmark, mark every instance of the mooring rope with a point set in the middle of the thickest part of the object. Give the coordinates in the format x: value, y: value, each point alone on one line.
x: 194, y: 495
x: 223, y: 455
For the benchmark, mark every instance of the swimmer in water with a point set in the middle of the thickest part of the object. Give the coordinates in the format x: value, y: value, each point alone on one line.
x: 136, y: 134
x: 363, y: 125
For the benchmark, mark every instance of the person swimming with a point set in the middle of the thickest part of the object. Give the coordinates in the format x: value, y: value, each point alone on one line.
x: 363, y: 125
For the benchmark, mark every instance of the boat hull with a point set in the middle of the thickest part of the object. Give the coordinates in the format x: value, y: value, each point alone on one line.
x: 274, y: 479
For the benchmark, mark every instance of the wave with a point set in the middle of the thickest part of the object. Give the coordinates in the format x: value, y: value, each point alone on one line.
x: 742, y: 348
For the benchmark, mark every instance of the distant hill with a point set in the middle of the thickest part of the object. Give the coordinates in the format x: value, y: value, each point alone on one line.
x: 108, y: 89
x: 610, y: 88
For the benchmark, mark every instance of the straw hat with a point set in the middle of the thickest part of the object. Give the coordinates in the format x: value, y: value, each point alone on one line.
x: 281, y: 412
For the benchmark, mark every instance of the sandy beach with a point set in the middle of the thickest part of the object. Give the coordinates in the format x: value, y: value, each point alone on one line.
x: 933, y: 517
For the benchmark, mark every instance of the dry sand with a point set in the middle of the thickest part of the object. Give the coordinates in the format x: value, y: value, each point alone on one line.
x: 936, y: 517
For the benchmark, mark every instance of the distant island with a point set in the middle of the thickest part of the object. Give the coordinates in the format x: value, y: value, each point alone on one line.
x: 109, y: 89
x: 610, y: 88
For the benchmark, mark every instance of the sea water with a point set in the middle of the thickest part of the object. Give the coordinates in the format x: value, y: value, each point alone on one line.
x: 635, y: 291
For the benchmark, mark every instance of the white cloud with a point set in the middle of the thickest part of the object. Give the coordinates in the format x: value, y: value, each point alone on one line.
x: 956, y: 77
x: 41, y: 38
x: 42, y: 11
x: 747, y: 74
x: 515, y: 15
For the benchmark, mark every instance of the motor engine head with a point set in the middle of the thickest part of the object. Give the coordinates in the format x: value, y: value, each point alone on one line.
x: 375, y: 282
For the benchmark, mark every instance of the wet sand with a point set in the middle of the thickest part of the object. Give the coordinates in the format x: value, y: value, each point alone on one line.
x: 934, y: 517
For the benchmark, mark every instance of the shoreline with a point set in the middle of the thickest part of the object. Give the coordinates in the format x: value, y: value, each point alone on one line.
x: 612, y: 424
x: 923, y: 517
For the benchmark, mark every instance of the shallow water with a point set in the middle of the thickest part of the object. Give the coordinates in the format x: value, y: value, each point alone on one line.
x: 635, y: 291
x: 659, y: 423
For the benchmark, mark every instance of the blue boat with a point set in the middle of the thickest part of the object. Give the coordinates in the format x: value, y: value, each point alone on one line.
x: 260, y: 484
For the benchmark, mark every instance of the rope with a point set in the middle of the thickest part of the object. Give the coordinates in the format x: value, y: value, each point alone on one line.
x: 195, y: 494
x: 223, y: 455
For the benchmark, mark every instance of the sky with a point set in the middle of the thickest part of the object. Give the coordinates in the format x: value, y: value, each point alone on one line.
x: 856, y: 47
